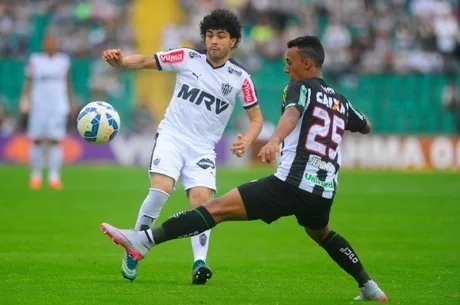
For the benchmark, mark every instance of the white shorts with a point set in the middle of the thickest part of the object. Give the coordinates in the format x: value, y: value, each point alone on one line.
x: 178, y: 159
x: 43, y: 126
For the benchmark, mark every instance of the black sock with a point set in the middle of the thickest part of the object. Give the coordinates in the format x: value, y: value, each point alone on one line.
x: 184, y: 224
x: 343, y: 254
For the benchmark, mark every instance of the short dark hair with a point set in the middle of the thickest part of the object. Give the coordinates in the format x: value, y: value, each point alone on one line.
x: 309, y: 46
x: 221, y: 20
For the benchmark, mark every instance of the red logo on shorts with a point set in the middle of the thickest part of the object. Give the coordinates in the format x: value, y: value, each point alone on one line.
x: 248, y: 92
x: 173, y: 57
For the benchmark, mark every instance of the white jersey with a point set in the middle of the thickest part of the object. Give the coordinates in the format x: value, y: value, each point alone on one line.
x: 49, y: 82
x: 204, y: 96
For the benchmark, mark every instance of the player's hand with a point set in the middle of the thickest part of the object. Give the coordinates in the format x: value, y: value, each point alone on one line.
x: 268, y: 153
x: 113, y: 57
x: 240, y: 146
x: 24, y: 106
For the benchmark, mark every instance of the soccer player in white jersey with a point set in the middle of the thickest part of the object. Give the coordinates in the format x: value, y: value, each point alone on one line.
x: 45, y: 98
x: 207, y: 86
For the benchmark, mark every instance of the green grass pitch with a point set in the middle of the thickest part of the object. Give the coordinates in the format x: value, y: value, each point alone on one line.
x: 404, y: 227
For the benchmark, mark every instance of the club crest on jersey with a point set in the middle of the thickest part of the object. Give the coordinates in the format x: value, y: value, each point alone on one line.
x: 226, y: 89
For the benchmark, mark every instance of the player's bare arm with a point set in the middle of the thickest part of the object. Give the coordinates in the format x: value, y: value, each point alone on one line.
x: 242, y: 143
x: 285, y: 126
x: 24, y: 105
x: 115, y: 58
x: 73, y: 104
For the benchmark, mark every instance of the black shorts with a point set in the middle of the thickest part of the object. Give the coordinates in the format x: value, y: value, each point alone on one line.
x: 270, y: 198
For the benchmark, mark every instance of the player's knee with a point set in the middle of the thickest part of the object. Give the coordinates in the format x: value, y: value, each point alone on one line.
x: 198, y: 196
x: 318, y: 235
x: 217, y: 210
x: 161, y: 182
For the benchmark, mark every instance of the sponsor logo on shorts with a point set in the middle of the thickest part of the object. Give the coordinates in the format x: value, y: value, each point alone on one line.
x: 156, y: 161
x: 172, y: 57
x: 316, y: 181
x: 206, y: 163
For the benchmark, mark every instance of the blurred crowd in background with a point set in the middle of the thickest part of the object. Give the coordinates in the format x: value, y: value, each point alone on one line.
x: 83, y: 28
x: 366, y: 36
x: 359, y: 36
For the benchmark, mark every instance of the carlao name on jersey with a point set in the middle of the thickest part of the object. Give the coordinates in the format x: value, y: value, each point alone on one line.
x: 330, y: 102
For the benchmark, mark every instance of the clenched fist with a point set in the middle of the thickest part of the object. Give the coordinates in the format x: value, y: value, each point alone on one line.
x: 113, y: 57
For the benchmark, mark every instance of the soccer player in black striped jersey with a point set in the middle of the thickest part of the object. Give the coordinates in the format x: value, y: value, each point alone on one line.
x: 313, y: 121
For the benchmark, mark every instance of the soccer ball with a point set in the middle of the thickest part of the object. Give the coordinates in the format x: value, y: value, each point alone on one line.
x: 98, y: 122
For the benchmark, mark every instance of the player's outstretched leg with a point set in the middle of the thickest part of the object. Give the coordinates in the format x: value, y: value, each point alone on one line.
x: 183, y: 224
x: 340, y: 250
x: 148, y: 213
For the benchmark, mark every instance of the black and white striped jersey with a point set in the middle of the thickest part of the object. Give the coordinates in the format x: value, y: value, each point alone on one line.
x: 310, y: 154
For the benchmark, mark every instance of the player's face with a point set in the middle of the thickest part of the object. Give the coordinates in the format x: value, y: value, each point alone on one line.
x: 296, y: 67
x: 218, y: 44
x: 50, y: 45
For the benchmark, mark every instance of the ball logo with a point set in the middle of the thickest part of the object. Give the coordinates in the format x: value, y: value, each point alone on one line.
x: 248, y: 92
x: 173, y: 57
x: 108, y: 133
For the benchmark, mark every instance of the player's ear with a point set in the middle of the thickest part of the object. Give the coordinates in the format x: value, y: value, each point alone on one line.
x: 232, y: 42
x: 307, y: 63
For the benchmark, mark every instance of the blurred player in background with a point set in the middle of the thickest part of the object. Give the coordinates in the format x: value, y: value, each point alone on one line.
x: 207, y: 85
x: 45, y: 98
x: 313, y: 121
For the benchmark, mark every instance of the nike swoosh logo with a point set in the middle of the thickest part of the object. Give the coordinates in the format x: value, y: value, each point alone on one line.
x: 131, y: 272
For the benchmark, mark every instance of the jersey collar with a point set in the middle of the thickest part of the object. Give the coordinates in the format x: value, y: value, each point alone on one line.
x: 215, y: 68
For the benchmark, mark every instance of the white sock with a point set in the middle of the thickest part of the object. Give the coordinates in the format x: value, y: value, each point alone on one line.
x: 200, y: 244
x: 55, y: 158
x: 150, y: 209
x: 36, y: 160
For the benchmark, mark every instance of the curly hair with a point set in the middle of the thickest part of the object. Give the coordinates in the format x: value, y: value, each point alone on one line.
x: 221, y: 20
x: 309, y: 46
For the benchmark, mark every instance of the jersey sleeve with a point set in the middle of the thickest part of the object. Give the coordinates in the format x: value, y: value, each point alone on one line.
x: 248, y: 93
x: 296, y: 94
x: 172, y: 60
x: 356, y: 120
